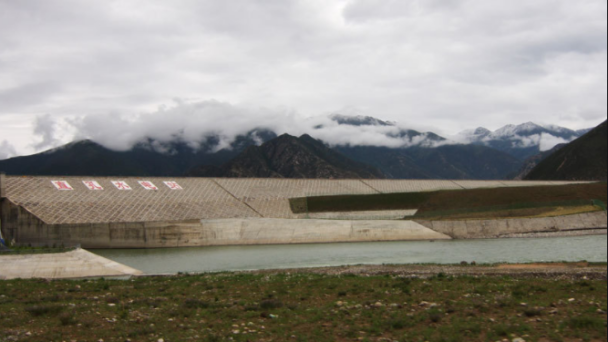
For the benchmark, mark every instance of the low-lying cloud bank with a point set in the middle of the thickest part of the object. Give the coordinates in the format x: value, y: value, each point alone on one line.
x: 195, y: 122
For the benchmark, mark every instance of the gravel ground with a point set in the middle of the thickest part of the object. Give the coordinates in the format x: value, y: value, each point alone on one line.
x: 548, y: 271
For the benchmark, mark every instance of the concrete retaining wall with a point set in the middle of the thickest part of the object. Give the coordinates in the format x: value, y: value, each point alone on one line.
x: 26, y: 229
x: 224, y: 233
x: 489, y: 229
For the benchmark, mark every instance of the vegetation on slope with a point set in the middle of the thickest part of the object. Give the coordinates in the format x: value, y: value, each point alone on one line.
x: 151, y: 158
x: 304, y: 307
x: 291, y: 157
x: 583, y: 159
x: 501, y: 202
x: 444, y: 162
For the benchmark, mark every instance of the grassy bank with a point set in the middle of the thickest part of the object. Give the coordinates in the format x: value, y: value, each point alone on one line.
x: 15, y: 250
x: 304, y: 307
x: 477, y: 203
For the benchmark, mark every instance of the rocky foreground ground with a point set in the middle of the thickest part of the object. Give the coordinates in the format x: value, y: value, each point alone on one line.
x: 554, y: 271
x: 362, y: 303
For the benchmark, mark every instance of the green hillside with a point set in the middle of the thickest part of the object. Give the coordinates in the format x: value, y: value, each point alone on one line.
x: 583, y: 159
x: 290, y: 157
x: 462, y: 204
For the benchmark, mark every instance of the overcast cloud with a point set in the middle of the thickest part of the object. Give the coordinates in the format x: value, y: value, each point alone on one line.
x: 102, y: 69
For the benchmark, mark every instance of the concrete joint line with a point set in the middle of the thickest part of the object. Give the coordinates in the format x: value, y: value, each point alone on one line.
x: 369, y: 185
x: 458, y: 185
x: 236, y: 198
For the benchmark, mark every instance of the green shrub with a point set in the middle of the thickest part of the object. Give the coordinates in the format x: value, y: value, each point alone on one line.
x: 271, y: 304
x: 43, y: 310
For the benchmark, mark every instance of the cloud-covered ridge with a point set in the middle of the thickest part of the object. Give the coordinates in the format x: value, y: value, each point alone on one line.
x: 445, y: 63
x: 196, y: 122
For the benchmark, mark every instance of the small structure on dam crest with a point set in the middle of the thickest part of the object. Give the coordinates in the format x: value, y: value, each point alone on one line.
x: 118, y: 212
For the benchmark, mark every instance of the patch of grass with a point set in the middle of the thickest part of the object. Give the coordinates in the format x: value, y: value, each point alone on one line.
x: 586, y: 323
x: 222, y: 307
x: 522, y: 210
x: 477, y: 203
x: 196, y: 304
x: 361, y: 202
x: 25, y: 250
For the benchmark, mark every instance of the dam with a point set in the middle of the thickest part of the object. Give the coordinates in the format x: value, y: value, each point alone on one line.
x: 123, y: 212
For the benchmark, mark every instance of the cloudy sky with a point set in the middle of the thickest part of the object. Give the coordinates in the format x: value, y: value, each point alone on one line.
x: 84, y: 68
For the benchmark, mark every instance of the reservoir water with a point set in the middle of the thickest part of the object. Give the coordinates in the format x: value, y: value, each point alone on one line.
x: 218, y: 259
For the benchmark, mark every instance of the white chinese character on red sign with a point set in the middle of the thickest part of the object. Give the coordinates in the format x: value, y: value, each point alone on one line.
x: 148, y: 185
x: 92, y: 185
x: 120, y: 185
x: 62, y: 185
x: 173, y: 186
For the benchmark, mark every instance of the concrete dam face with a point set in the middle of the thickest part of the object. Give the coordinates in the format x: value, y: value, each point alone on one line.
x: 101, y: 212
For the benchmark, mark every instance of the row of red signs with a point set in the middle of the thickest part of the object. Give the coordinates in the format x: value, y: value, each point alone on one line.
x: 120, y: 185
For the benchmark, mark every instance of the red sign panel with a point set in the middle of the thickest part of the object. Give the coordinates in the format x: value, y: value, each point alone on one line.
x: 148, y: 185
x: 120, y: 185
x: 62, y: 185
x: 92, y: 185
x: 173, y: 186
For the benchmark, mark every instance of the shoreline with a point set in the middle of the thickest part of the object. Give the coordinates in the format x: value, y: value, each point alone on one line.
x: 534, y: 270
x: 566, y: 233
x: 81, y: 264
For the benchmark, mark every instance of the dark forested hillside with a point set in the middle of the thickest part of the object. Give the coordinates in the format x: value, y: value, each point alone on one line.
x: 583, y: 159
x: 444, y: 162
x: 148, y: 158
x: 290, y: 157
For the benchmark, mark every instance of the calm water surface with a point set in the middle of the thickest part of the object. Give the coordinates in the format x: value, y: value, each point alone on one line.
x: 217, y: 259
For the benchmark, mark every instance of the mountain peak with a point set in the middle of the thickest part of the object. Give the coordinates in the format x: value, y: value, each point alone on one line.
x: 291, y: 157
x: 482, y: 131
x: 529, y: 126
x: 513, y: 130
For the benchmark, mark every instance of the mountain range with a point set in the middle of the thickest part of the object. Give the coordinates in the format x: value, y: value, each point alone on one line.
x: 148, y: 158
x: 481, y: 154
x: 522, y: 141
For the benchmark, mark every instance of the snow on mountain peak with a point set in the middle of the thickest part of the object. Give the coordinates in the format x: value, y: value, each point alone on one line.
x: 528, y: 126
x: 512, y: 130
x: 482, y: 131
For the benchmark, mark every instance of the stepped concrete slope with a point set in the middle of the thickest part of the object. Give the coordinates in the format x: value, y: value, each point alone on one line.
x: 72, y: 265
x: 100, y: 212
x: 490, y: 229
